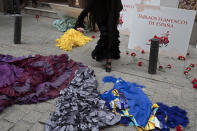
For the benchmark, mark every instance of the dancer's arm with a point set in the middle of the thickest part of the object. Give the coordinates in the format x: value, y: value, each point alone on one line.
x: 84, y: 13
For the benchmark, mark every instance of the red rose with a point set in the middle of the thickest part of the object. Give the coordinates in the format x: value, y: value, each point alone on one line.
x: 185, y: 72
x: 120, y: 21
x: 194, y: 81
x: 192, y: 65
x: 133, y: 54
x: 127, y: 53
x: 95, y: 30
x: 160, y: 67
x: 188, y: 54
x: 140, y: 63
x: 93, y: 36
x: 183, y: 58
x: 142, y: 51
x: 169, y: 66
x: 195, y: 86
x: 188, y: 68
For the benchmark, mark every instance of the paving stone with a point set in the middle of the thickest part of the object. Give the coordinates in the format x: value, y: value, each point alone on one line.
x: 5, y: 125
x: 188, y: 93
x: 37, y: 127
x: 52, y: 101
x: 27, y: 108
x: 3, y: 114
x: 175, y: 100
x: 151, y: 98
x: 148, y: 92
x: 190, y: 127
x: 21, y: 126
x: 45, y: 107
x: 9, y: 110
x: 32, y: 117
x: 44, y: 117
x: 196, y: 121
x: 24, y: 108
x: 175, y: 91
x: 174, y: 129
x: 188, y: 104
x: 160, y: 98
x: 162, y: 89
x: 129, y: 128
x: 191, y: 116
x: 180, y: 105
x: 15, y: 116
x: 114, y: 128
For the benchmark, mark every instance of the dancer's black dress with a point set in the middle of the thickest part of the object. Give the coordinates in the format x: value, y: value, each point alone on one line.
x: 106, y: 15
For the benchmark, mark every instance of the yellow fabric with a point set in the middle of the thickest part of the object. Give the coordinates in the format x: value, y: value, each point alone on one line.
x: 70, y: 39
x: 150, y: 125
x: 113, y: 105
x: 115, y: 92
x: 166, y: 118
x: 155, y: 106
x: 139, y: 128
x: 151, y: 122
x: 126, y: 112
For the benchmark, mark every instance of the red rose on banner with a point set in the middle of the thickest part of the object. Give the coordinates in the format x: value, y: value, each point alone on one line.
x: 120, y: 20
x: 142, y: 51
x: 127, y: 53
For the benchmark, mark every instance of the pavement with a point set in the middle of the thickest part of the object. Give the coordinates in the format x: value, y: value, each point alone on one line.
x: 38, y: 37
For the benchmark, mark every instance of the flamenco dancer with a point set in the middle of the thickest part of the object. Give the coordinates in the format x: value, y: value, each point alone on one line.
x: 105, y: 13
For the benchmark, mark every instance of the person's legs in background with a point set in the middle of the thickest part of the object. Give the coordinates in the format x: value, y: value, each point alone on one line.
x: 9, y: 6
x: 5, y: 6
x: 16, y: 5
x: 34, y: 3
x: 23, y: 3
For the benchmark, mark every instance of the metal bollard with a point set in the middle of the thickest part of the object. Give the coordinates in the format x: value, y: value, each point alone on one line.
x: 153, y: 57
x: 17, y: 29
